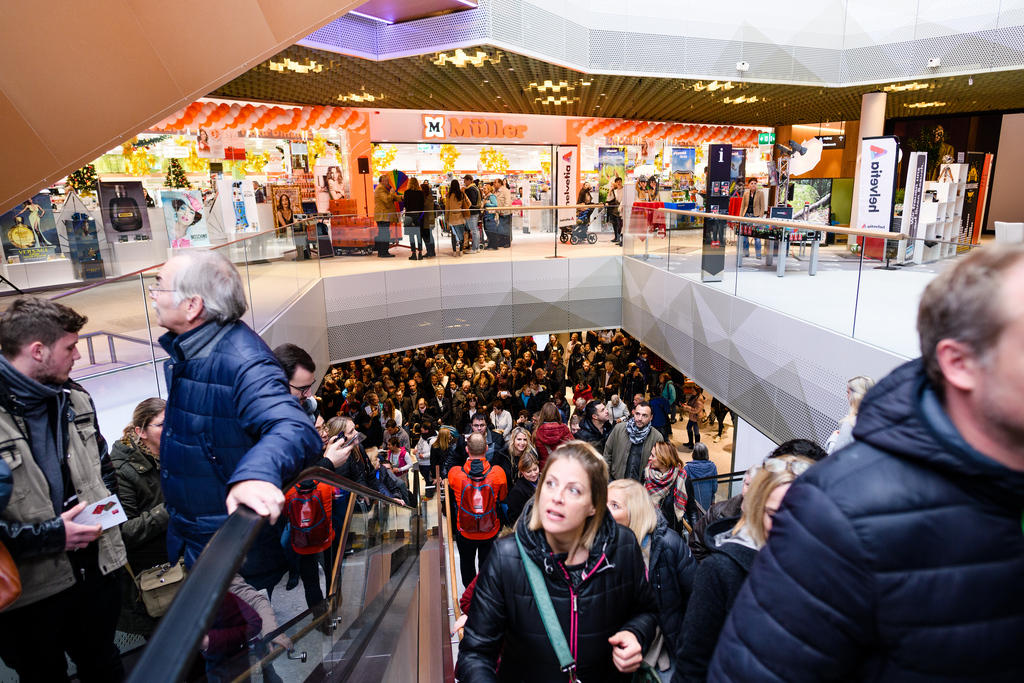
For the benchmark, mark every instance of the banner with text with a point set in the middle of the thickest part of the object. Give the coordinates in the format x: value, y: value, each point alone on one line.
x: 878, y: 156
x: 911, y: 224
x: 565, y: 181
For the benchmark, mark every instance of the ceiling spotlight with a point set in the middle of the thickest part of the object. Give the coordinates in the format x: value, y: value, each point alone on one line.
x: 924, y: 105
x: 970, y: 80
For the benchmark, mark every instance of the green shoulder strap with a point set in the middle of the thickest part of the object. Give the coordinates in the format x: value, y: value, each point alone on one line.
x: 547, y: 612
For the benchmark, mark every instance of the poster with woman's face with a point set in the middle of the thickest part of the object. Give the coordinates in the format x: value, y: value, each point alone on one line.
x: 209, y: 144
x: 331, y: 185
x: 286, y: 202
x: 185, y: 218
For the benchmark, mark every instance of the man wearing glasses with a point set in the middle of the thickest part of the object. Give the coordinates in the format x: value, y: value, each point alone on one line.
x: 300, y: 369
x: 233, y: 433
x: 901, y: 557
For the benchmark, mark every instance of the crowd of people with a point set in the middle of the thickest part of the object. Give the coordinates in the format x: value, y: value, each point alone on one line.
x: 590, y: 547
x: 476, y: 214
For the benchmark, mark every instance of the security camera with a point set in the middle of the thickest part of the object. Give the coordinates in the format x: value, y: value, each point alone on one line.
x: 934, y: 63
x: 743, y: 66
x: 797, y: 147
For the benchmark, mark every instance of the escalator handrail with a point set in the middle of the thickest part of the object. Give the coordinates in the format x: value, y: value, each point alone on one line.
x: 168, y: 653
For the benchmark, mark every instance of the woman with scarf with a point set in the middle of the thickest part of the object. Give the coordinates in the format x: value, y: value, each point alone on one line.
x: 665, y: 481
x: 670, y: 568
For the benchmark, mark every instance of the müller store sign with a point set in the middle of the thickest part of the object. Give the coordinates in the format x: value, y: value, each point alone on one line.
x: 413, y: 126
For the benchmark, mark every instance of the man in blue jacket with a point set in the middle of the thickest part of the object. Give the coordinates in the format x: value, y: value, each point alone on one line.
x: 901, y: 558
x: 233, y: 434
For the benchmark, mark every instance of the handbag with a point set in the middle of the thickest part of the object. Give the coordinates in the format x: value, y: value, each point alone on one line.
x: 159, y: 585
x: 645, y: 674
x: 10, y: 579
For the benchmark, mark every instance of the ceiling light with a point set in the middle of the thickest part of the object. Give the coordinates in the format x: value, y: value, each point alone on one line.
x: 903, y: 87
x: 700, y: 86
x: 461, y: 58
x: 585, y: 82
x: 360, y: 97
x: 742, y: 99
x: 549, y: 86
x: 923, y: 105
x: 297, y: 67
x: 551, y: 99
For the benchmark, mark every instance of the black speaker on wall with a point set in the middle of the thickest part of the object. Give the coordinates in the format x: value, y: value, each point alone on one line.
x: 364, y: 165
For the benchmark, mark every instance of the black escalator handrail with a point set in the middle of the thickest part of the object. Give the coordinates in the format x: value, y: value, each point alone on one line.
x: 328, y: 477
x: 728, y: 476
x: 168, y: 653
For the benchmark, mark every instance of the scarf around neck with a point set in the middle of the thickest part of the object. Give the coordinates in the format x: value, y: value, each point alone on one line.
x: 635, y: 434
x: 659, y: 484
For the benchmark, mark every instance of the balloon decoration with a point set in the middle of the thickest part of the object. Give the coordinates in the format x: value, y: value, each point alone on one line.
x: 493, y: 160
x: 448, y: 156
x: 254, y: 163
x: 192, y: 163
x: 268, y: 119
x: 383, y: 157
x: 618, y: 131
x: 138, y: 160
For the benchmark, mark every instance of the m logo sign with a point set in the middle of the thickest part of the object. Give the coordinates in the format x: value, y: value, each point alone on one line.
x: 433, y: 127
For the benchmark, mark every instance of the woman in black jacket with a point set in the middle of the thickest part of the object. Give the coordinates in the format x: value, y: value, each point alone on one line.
x: 523, y: 490
x: 734, y: 546
x: 414, y: 208
x: 670, y: 566
x: 593, y: 571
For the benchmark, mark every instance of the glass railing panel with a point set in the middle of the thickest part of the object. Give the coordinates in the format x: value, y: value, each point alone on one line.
x: 119, y: 331
x: 117, y: 391
x: 274, y: 276
x: 892, y: 279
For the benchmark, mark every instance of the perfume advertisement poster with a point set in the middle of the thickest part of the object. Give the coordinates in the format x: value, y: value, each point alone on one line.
x: 123, y: 211
x: 29, y: 232
x: 185, y: 218
x: 238, y: 205
x: 84, y: 245
x: 286, y: 202
x: 330, y: 185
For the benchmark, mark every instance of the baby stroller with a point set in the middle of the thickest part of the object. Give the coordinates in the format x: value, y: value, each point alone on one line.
x: 577, y: 233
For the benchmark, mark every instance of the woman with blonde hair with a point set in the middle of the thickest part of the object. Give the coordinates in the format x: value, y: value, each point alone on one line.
x: 670, y: 567
x: 520, y: 444
x: 856, y: 388
x: 568, y: 551
x: 665, y: 481
x: 734, y: 546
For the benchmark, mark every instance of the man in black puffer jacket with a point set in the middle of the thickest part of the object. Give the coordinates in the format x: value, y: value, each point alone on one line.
x: 901, y: 558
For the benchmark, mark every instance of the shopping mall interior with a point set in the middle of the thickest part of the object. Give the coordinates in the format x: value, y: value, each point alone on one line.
x: 754, y: 198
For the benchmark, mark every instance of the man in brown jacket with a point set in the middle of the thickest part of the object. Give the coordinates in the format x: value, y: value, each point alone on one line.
x: 384, y: 198
x: 754, y: 205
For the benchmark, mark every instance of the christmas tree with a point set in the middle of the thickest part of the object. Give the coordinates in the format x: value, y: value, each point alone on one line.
x: 83, y: 181
x: 176, y: 176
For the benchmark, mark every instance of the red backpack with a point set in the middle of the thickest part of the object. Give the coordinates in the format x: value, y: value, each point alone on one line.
x: 478, y: 505
x: 311, y: 526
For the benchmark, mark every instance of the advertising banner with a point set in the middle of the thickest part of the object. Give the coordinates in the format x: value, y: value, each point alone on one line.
x: 331, y: 185
x: 712, y: 261
x: 878, y: 156
x: 209, y: 144
x: 123, y: 211
x: 683, y: 159
x: 975, y: 191
x: 611, y: 162
x: 28, y: 231
x: 184, y: 216
x: 286, y: 202
x: 565, y: 182
x: 911, y: 224
x: 238, y: 205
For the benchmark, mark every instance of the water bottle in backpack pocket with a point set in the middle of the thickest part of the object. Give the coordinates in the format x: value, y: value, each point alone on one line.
x: 478, y: 505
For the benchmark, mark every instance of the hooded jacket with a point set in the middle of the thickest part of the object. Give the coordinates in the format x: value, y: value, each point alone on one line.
x: 550, y: 436
x: 613, y: 596
x: 703, y: 491
x: 900, y: 558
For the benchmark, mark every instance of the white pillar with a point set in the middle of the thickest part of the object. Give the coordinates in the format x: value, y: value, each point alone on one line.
x: 872, y: 124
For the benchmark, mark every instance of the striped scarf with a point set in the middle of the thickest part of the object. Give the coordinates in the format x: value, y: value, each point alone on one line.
x: 659, y: 484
